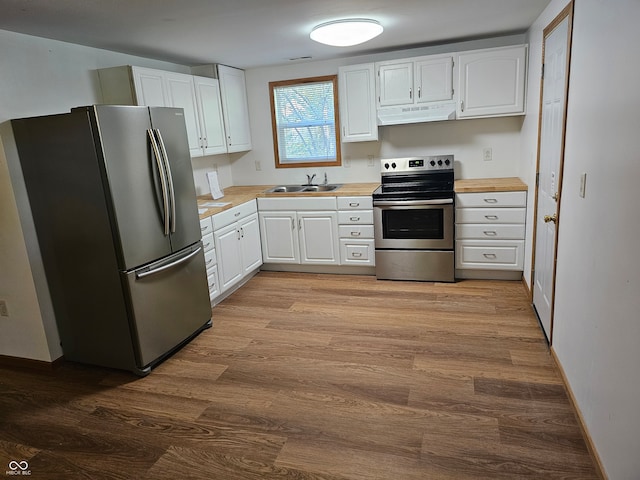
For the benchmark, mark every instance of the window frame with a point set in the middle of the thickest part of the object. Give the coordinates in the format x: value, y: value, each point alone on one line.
x: 302, y: 81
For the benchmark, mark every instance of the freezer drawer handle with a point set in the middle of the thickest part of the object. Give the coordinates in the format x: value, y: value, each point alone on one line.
x: 163, y: 180
x: 168, y: 265
x: 170, y: 178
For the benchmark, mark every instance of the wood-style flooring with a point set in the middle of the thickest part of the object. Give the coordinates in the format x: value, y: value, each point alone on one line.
x: 315, y: 377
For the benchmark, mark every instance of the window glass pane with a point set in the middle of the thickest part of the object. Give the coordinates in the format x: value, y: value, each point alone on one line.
x: 304, y: 115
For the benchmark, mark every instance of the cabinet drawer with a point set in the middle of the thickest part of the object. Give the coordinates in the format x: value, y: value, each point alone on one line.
x: 355, y: 231
x: 207, y: 242
x: 206, y: 226
x: 212, y: 280
x: 360, y: 217
x: 490, y: 215
x: 355, y: 203
x: 357, y: 252
x: 492, y: 199
x: 210, y: 260
x: 490, y: 254
x: 222, y: 219
x: 486, y: 232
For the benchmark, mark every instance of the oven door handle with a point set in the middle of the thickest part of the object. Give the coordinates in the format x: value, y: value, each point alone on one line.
x: 404, y: 203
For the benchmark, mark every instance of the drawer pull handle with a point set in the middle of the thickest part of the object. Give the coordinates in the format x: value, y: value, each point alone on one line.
x: 237, y: 214
x: 492, y: 256
x: 356, y: 254
x: 491, y: 200
x: 354, y: 219
x: 206, y: 245
x: 354, y: 204
x: 209, y: 261
x: 204, y: 229
x: 355, y: 234
x: 491, y: 217
x: 490, y: 233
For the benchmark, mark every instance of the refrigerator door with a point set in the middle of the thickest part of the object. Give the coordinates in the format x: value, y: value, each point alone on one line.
x: 133, y: 183
x: 169, y: 303
x: 171, y: 132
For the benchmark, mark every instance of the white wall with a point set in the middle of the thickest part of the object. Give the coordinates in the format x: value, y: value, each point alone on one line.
x: 596, y: 334
x: 465, y: 139
x: 39, y: 77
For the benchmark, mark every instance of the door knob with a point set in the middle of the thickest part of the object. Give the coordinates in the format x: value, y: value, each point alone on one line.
x: 550, y: 218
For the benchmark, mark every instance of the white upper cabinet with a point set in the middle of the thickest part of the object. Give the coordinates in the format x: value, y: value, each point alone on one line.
x: 416, y: 80
x: 181, y: 93
x: 434, y: 79
x: 357, y: 98
x: 235, y: 108
x: 210, y: 112
x: 199, y: 97
x: 395, y: 86
x: 492, y: 82
x: 150, y: 87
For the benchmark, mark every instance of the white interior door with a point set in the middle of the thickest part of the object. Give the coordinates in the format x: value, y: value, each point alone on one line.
x: 550, y: 151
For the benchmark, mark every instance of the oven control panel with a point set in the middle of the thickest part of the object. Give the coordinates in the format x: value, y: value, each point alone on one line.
x: 417, y: 164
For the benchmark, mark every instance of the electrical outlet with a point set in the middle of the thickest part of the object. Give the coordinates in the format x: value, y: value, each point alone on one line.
x: 4, y: 310
x: 583, y: 184
x: 215, y: 167
x: 258, y: 166
x: 487, y: 154
x: 371, y: 161
x: 347, y: 162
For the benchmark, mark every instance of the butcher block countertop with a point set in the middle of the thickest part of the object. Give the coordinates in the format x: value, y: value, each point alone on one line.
x: 509, y: 184
x: 234, y: 196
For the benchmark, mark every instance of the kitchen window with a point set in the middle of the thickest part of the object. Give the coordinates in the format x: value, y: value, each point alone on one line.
x: 305, y: 122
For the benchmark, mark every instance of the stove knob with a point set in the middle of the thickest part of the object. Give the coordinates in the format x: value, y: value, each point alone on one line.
x: 432, y: 163
x: 393, y: 165
x: 386, y: 165
x: 440, y: 162
x: 447, y: 162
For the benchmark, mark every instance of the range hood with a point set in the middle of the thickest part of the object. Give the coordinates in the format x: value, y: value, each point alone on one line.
x: 416, y: 114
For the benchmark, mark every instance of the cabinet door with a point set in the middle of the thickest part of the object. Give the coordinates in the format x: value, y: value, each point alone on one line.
x: 150, y: 87
x: 434, y: 80
x: 250, y: 246
x: 357, y: 89
x: 395, y: 82
x: 230, y: 269
x: 181, y: 93
x: 235, y: 109
x: 279, y: 234
x: 210, y: 109
x: 492, y: 82
x: 318, y: 238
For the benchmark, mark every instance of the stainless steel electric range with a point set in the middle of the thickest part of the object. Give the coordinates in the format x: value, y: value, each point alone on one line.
x: 413, y: 212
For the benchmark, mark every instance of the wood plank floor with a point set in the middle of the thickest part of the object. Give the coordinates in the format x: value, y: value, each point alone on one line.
x: 316, y: 377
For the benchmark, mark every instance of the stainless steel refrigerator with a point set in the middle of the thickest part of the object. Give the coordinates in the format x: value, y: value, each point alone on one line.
x: 114, y: 205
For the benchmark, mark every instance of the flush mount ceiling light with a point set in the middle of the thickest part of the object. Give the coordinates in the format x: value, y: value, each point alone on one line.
x: 345, y: 33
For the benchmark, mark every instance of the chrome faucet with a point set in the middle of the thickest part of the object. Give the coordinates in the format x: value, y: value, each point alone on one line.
x: 310, y: 179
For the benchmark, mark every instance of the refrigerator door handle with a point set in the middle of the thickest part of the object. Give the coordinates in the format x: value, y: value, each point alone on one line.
x: 172, y: 194
x: 153, y: 271
x: 163, y: 180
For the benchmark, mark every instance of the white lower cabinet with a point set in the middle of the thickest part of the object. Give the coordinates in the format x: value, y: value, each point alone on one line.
x: 210, y: 260
x: 236, y: 236
x: 299, y: 230
x: 355, y: 218
x: 490, y: 233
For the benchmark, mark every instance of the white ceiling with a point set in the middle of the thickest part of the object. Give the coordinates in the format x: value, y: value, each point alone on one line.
x: 251, y: 33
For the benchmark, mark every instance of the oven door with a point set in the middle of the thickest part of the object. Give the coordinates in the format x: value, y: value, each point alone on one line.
x: 413, y: 224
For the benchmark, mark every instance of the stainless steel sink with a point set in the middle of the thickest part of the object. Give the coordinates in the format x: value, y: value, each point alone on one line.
x: 303, y: 188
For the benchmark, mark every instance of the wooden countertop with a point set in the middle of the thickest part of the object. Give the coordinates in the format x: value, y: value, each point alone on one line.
x: 508, y: 184
x: 234, y: 196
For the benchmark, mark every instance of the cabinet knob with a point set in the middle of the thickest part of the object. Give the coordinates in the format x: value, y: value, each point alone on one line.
x: 551, y: 218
